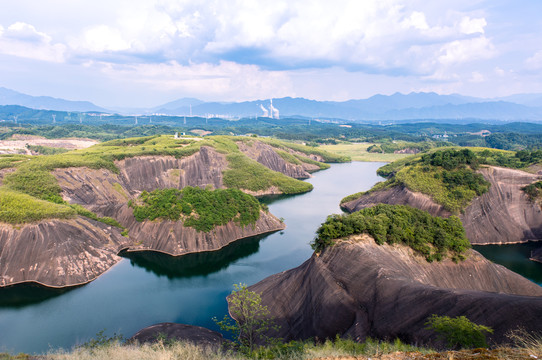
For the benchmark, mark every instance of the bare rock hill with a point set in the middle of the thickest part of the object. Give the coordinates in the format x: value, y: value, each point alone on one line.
x: 268, y: 156
x: 58, y: 253
x: 360, y: 289
x: 503, y: 215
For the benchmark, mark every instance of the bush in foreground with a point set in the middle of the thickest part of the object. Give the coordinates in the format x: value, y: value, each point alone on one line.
x: 459, y: 332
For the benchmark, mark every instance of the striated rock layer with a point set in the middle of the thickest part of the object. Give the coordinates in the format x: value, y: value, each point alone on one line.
x: 172, y: 238
x: 360, y: 289
x: 268, y: 157
x: 503, y: 215
x: 58, y: 253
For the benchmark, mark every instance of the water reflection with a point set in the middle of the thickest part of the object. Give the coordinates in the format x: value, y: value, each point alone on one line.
x: 197, y: 264
x: 20, y: 295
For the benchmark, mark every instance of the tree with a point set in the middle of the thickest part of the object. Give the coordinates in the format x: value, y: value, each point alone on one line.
x: 251, y: 319
x: 459, y: 332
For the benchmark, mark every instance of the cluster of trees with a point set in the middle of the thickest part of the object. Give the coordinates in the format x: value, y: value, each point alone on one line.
x: 201, y: 209
x: 433, y: 237
x: 466, y: 178
x: 451, y: 159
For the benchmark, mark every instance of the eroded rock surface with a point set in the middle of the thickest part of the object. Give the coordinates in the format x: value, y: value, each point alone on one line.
x: 58, y: 253
x: 503, y: 215
x: 397, y: 195
x: 267, y: 156
x: 180, y: 332
x: 359, y: 289
x: 172, y: 238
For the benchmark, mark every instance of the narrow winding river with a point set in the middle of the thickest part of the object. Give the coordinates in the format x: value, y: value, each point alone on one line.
x: 148, y: 289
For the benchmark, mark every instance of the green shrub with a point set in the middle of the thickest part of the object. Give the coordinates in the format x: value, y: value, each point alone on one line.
x: 46, y: 150
x: 251, y: 320
x: 533, y: 190
x: 433, y: 237
x: 458, y: 332
x: 198, y: 208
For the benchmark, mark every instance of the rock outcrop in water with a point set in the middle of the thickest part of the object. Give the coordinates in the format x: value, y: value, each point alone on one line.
x: 60, y: 253
x: 360, y: 289
x: 503, y: 215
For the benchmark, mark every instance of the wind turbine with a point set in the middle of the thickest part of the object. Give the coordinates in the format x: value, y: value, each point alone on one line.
x: 54, y: 119
x: 15, y: 118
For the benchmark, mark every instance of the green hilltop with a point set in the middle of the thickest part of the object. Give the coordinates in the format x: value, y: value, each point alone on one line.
x: 449, y: 175
x: 30, y: 192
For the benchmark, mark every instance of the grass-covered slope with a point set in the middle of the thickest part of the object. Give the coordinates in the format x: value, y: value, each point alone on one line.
x: 433, y: 237
x: 449, y: 175
x: 32, y: 175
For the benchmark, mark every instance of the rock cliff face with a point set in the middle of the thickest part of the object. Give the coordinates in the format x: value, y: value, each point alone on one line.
x: 504, y: 215
x: 267, y: 156
x: 397, y: 195
x: 359, y: 289
x: 172, y: 238
x: 101, y: 187
x: 58, y: 253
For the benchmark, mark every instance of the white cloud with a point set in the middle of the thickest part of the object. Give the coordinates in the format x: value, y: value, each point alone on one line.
x: 103, y: 38
x: 461, y: 51
x: 23, y: 40
x: 417, y: 21
x: 534, y: 62
x: 472, y: 26
x: 225, y: 80
x: 499, y: 71
x: 477, y: 77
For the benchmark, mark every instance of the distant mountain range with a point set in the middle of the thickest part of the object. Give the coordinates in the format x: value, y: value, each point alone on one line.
x: 378, y: 108
x: 396, y: 107
x: 11, y: 97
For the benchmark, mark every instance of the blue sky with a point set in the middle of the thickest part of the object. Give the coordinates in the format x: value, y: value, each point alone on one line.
x: 147, y: 52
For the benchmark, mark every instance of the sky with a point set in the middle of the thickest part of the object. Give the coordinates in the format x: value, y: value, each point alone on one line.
x: 143, y: 53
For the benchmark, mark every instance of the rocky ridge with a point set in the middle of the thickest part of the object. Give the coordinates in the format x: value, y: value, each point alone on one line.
x: 360, y: 289
x: 503, y: 215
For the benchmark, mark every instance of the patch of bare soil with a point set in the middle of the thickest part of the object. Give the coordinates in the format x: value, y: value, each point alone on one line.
x: 19, y: 143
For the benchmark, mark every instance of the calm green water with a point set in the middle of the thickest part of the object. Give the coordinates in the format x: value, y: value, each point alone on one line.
x: 516, y: 258
x: 153, y: 288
